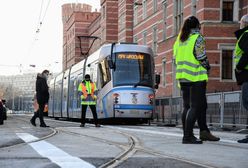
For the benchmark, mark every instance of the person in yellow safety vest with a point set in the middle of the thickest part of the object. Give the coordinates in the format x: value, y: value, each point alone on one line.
x: 241, y: 60
x: 87, y: 90
x: 192, y: 69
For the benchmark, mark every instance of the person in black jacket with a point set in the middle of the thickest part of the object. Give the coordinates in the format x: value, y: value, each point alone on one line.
x: 42, y: 95
x: 1, y: 112
x: 241, y: 60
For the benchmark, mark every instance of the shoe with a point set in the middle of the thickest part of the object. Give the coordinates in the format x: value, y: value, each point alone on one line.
x: 191, y: 140
x: 245, y: 140
x: 207, y: 136
x: 98, y: 125
x: 81, y: 125
x: 44, y: 126
x: 33, y: 122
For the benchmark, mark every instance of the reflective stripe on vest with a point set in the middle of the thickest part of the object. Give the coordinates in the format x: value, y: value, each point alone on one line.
x: 187, y: 66
x: 238, y: 52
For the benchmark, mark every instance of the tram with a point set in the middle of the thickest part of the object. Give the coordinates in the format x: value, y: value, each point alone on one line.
x: 125, y: 80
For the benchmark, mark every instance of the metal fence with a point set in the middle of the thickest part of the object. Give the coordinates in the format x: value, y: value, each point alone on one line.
x: 224, y: 110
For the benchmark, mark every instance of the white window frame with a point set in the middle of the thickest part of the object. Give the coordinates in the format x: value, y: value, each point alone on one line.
x: 135, y: 14
x: 144, y: 34
x: 155, y: 6
x: 144, y: 6
x: 164, y: 82
x: 193, y: 7
x: 226, y: 46
x: 155, y: 39
x: 235, y: 10
x: 178, y: 15
x: 164, y: 19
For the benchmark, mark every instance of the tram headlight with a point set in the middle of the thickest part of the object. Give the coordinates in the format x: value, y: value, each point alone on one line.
x: 151, y: 98
x: 116, y: 98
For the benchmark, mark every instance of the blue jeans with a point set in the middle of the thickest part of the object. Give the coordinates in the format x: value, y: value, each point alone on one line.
x: 244, y: 89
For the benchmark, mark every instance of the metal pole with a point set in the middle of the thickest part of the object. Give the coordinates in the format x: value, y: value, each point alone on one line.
x: 13, y: 97
x: 222, y: 109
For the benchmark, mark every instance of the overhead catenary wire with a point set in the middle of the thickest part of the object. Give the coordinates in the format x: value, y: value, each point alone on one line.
x: 39, y: 23
x: 41, y: 18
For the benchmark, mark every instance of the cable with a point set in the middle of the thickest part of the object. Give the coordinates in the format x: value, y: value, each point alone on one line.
x: 41, y: 6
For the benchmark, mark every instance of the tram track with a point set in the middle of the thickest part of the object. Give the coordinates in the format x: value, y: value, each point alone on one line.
x: 21, y: 142
x: 129, y: 149
x: 134, y: 145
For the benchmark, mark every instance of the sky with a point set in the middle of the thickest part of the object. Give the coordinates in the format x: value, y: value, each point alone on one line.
x: 20, y: 45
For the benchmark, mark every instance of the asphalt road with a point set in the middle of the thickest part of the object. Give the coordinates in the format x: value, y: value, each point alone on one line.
x: 65, y: 144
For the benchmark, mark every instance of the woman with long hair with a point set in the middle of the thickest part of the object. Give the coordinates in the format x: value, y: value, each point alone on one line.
x: 192, y: 68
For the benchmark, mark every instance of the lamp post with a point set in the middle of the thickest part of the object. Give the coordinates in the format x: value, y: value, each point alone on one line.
x: 13, y: 95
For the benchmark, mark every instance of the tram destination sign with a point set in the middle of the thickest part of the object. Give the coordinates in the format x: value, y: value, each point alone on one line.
x: 131, y: 56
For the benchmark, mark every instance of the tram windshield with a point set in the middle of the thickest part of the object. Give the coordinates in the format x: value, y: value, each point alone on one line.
x: 133, y: 69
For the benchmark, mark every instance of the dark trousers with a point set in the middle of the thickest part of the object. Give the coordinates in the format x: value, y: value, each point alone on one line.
x: 194, y: 106
x: 39, y: 114
x: 1, y: 114
x: 93, y: 109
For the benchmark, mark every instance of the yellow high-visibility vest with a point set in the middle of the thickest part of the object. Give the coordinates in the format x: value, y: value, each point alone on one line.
x: 88, y: 89
x: 187, y: 66
x: 238, y: 52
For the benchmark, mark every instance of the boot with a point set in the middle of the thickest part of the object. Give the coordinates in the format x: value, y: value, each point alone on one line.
x: 189, y: 138
x: 245, y: 140
x: 32, y: 122
x: 207, y: 136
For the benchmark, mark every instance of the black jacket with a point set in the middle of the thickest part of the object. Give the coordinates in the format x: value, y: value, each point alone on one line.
x: 42, y: 93
x: 243, y: 62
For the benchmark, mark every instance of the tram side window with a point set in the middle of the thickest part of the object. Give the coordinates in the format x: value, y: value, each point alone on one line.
x: 105, y: 76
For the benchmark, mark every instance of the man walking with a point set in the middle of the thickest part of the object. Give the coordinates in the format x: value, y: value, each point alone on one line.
x: 87, y: 90
x: 42, y: 95
x: 241, y: 60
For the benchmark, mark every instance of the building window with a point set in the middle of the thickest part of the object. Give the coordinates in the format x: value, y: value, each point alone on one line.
x: 154, y: 39
x: 144, y: 4
x: 164, y: 19
x: 122, y: 22
x: 103, y: 12
x: 227, y: 11
x: 227, y: 65
x: 155, y: 6
x: 135, y: 39
x: 193, y: 8
x: 178, y: 15
x: 135, y: 17
x: 164, y: 72
x: 144, y: 37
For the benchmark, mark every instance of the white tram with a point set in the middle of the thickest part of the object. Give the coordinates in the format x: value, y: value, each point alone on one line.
x: 124, y: 76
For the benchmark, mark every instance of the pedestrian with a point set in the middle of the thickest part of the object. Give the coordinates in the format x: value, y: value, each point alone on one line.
x: 1, y: 112
x: 87, y: 90
x: 241, y: 60
x: 192, y: 68
x: 42, y: 95
x: 4, y: 109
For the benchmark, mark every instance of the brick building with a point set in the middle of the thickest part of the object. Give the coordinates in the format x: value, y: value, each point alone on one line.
x: 156, y: 23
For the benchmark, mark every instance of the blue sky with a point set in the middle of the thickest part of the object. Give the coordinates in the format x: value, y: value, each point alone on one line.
x: 21, y: 45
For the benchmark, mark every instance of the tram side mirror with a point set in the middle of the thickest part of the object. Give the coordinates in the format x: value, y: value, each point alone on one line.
x: 157, y: 81
x: 111, y: 64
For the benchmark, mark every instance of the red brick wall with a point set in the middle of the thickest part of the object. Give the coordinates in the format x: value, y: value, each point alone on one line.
x: 111, y: 29
x: 76, y: 20
x: 125, y: 25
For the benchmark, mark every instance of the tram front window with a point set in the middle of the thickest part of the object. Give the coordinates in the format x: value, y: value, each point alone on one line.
x: 133, y: 69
